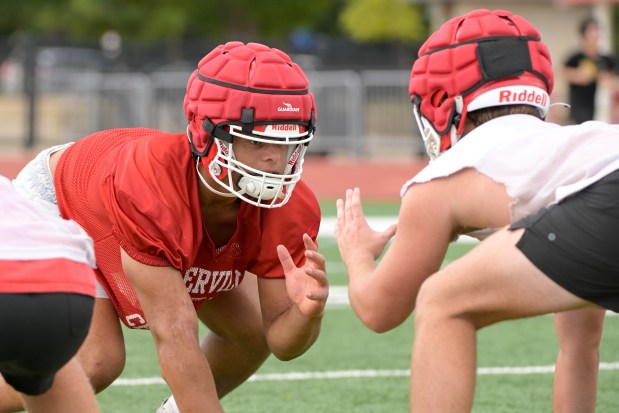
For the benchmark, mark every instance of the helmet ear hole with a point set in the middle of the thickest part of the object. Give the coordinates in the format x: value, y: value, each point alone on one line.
x: 438, y: 97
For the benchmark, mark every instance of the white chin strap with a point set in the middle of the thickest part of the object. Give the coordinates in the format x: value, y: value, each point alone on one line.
x: 258, y: 188
x: 261, y: 188
x: 265, y: 189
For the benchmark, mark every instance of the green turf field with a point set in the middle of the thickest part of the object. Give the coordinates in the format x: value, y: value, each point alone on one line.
x: 350, y: 369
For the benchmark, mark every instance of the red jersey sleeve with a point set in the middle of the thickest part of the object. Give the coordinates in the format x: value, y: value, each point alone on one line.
x: 286, y: 226
x: 151, y: 205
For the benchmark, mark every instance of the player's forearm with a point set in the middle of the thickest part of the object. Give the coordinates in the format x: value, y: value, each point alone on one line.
x: 360, y: 289
x: 293, y: 333
x: 189, y: 377
x: 375, y: 298
x: 368, y: 305
x: 184, y: 366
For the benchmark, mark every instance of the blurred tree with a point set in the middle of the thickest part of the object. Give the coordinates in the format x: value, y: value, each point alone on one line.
x: 163, y: 19
x: 383, y: 20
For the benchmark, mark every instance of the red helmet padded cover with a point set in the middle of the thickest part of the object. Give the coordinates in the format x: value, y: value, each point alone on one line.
x: 450, y: 63
x: 234, y: 76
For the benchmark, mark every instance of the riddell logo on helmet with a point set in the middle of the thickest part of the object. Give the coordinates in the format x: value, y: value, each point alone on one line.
x: 294, y: 156
x: 285, y: 127
x: 511, y: 95
x: 524, y: 96
x: 223, y: 148
x: 288, y: 108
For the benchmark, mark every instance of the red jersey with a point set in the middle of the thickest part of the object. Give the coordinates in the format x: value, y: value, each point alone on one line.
x: 138, y: 189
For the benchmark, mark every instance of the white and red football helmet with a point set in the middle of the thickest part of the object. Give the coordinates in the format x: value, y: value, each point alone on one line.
x: 479, y: 60
x: 249, y: 91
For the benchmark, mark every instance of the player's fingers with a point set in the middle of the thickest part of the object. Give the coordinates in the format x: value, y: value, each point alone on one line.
x: 390, y: 232
x: 316, y: 258
x: 318, y: 295
x: 321, y: 292
x: 339, y: 206
x: 309, y: 243
x: 285, y: 259
x: 355, y: 203
x: 348, y: 206
x: 340, y: 220
x: 317, y: 274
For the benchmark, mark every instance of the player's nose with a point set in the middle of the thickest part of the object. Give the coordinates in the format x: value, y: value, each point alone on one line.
x: 274, y: 158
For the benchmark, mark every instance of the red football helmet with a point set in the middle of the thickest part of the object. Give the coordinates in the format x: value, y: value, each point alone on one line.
x: 481, y: 59
x: 249, y: 91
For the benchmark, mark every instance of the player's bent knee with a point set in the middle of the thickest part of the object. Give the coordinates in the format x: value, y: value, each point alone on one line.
x: 102, y: 368
x: 254, y: 341
x: 102, y: 378
x: 250, y: 335
x: 254, y: 337
x: 257, y: 342
x: 438, y: 301
x: 428, y: 309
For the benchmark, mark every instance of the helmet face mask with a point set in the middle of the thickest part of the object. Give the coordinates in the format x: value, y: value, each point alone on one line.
x: 433, y: 142
x: 480, y: 60
x: 256, y: 187
x: 254, y: 93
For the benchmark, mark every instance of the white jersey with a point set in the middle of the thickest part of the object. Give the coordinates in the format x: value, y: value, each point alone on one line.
x: 30, y: 232
x: 538, y: 162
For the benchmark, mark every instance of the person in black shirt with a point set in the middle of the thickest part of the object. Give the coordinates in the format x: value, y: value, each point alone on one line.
x: 584, y: 69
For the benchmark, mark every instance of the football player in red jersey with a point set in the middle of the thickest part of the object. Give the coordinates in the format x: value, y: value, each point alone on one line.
x: 203, y: 225
x: 480, y: 91
x: 47, y: 289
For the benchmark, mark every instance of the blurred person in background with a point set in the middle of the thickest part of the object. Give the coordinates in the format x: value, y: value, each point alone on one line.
x: 201, y: 226
x: 494, y: 162
x: 586, y: 70
x: 47, y: 289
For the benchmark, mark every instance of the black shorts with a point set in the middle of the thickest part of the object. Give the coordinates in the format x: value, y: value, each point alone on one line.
x: 576, y: 242
x: 40, y: 334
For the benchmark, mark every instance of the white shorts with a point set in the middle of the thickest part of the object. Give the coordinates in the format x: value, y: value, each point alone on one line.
x: 35, y: 182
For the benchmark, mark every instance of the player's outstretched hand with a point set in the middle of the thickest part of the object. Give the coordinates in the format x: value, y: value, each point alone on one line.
x: 307, y: 286
x: 355, y: 239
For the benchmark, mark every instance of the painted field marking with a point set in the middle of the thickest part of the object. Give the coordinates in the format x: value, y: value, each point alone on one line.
x: 358, y: 374
x: 377, y: 223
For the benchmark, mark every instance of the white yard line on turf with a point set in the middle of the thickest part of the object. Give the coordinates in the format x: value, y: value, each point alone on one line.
x: 355, y: 374
x: 377, y: 223
x: 338, y: 296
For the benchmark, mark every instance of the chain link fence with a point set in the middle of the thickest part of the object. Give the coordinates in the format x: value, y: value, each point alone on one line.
x: 360, y: 114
